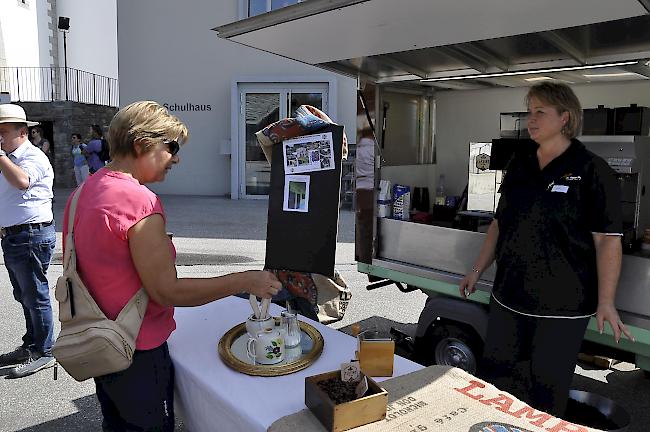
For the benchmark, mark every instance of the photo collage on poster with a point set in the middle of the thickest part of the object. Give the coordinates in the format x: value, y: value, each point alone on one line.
x: 304, y: 154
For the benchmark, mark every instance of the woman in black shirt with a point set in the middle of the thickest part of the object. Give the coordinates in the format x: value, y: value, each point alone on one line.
x: 556, y: 241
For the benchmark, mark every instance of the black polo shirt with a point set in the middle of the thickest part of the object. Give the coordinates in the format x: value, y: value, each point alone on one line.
x: 545, y: 254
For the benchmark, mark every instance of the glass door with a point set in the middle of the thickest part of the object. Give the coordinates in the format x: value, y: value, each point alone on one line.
x: 260, y: 110
x: 262, y: 105
x: 298, y: 98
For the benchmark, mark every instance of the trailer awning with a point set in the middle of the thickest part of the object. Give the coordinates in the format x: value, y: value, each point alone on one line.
x: 411, y: 40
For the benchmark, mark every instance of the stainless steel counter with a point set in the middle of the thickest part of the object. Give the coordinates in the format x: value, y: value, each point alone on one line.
x: 447, y: 254
x: 439, y: 248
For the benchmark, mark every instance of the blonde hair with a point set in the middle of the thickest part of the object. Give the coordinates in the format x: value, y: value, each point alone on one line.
x: 143, y: 120
x: 563, y: 99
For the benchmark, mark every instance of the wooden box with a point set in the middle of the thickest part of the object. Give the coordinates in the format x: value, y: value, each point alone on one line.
x: 341, y: 417
x: 376, y: 357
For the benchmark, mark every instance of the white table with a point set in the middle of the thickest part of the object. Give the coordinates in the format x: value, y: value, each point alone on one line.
x: 213, y: 397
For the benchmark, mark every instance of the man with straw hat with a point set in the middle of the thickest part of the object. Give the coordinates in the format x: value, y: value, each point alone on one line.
x: 28, y: 238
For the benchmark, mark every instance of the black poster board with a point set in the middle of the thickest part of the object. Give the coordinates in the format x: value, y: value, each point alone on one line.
x: 504, y: 148
x: 305, y: 242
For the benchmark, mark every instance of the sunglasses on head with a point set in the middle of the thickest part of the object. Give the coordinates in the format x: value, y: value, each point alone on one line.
x: 172, y: 146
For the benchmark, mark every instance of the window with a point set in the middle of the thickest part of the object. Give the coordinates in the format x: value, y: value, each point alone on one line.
x: 256, y: 7
x: 277, y: 4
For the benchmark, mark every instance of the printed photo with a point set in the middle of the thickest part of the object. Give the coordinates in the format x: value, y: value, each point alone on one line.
x: 325, y: 163
x: 308, y: 153
x: 296, y: 193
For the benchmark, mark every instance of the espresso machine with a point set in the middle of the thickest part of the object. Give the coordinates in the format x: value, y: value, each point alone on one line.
x: 629, y: 156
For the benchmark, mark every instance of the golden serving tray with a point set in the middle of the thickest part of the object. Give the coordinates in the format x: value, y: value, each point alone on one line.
x: 232, y: 350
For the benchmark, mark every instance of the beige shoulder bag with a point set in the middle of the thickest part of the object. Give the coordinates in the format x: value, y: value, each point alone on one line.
x: 89, y: 344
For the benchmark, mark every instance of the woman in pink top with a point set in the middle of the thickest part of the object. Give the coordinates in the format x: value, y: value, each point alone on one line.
x: 122, y: 245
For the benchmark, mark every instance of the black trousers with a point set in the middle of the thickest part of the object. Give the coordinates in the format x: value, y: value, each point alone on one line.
x: 140, y: 398
x: 532, y: 358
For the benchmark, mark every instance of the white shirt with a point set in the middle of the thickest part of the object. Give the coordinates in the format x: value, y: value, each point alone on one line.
x: 34, y: 204
x: 365, y: 164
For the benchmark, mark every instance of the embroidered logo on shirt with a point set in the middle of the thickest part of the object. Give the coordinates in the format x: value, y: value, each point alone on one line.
x: 571, y: 177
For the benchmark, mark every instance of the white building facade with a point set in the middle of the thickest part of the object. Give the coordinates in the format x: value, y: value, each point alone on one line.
x: 38, y: 39
x: 30, y: 38
x: 223, y: 91
x: 92, y: 38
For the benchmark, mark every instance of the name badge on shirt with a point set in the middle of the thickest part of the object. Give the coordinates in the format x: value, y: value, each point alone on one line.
x: 560, y: 188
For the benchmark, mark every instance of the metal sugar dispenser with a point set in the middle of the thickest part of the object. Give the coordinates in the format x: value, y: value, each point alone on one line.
x: 290, y: 328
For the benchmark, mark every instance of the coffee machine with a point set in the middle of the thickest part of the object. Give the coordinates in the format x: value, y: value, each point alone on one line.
x: 629, y: 156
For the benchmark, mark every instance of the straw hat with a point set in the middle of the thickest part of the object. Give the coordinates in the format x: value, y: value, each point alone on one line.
x: 10, y: 113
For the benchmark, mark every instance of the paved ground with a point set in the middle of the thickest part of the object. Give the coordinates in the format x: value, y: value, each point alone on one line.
x: 215, y: 236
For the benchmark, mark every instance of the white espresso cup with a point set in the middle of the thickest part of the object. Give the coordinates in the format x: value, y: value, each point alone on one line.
x: 267, y: 347
x: 255, y: 325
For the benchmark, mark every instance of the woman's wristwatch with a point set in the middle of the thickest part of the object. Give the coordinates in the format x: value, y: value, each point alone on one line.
x: 475, y: 270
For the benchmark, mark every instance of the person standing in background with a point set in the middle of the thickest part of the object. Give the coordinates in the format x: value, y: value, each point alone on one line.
x: 79, y: 159
x: 93, y: 148
x: 364, y: 172
x: 28, y: 238
x: 38, y: 140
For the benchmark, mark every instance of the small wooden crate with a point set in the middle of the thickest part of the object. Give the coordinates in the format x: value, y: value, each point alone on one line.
x: 376, y: 357
x: 341, y: 417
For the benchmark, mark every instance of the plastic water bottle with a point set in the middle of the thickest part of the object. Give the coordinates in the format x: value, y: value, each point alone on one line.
x: 440, y: 191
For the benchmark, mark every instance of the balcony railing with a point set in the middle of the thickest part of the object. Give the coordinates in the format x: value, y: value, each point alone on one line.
x: 46, y: 84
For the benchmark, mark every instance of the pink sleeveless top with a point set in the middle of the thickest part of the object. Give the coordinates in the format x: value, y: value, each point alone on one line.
x: 110, y: 204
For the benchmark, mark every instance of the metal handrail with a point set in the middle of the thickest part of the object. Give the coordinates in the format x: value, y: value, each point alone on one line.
x: 47, y: 84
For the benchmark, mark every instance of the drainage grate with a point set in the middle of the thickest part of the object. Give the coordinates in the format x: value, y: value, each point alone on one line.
x: 190, y: 259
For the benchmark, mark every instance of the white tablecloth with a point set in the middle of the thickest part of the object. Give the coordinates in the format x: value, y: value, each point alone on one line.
x: 213, y: 397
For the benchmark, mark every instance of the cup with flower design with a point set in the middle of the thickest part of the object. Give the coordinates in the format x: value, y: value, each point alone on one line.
x: 267, y: 347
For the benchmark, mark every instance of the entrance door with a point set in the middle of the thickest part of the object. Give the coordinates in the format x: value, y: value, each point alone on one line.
x: 262, y: 105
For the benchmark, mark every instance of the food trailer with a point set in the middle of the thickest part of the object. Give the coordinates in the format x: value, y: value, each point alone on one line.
x: 418, y: 59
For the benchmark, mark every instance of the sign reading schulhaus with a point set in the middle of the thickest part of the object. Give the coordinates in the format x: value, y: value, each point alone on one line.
x: 187, y: 106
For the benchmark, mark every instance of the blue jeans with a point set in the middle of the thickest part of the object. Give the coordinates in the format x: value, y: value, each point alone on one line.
x: 27, y: 257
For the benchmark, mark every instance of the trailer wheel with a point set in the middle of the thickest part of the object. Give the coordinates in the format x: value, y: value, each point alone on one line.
x: 454, y: 345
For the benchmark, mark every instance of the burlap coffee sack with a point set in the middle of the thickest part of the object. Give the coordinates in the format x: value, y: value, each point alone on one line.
x: 444, y: 399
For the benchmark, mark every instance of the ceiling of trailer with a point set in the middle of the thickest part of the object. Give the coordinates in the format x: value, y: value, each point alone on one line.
x: 387, y: 41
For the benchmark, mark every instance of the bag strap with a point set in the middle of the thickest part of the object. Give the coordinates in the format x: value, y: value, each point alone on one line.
x: 140, y: 299
x: 69, y: 241
x: 135, y: 309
